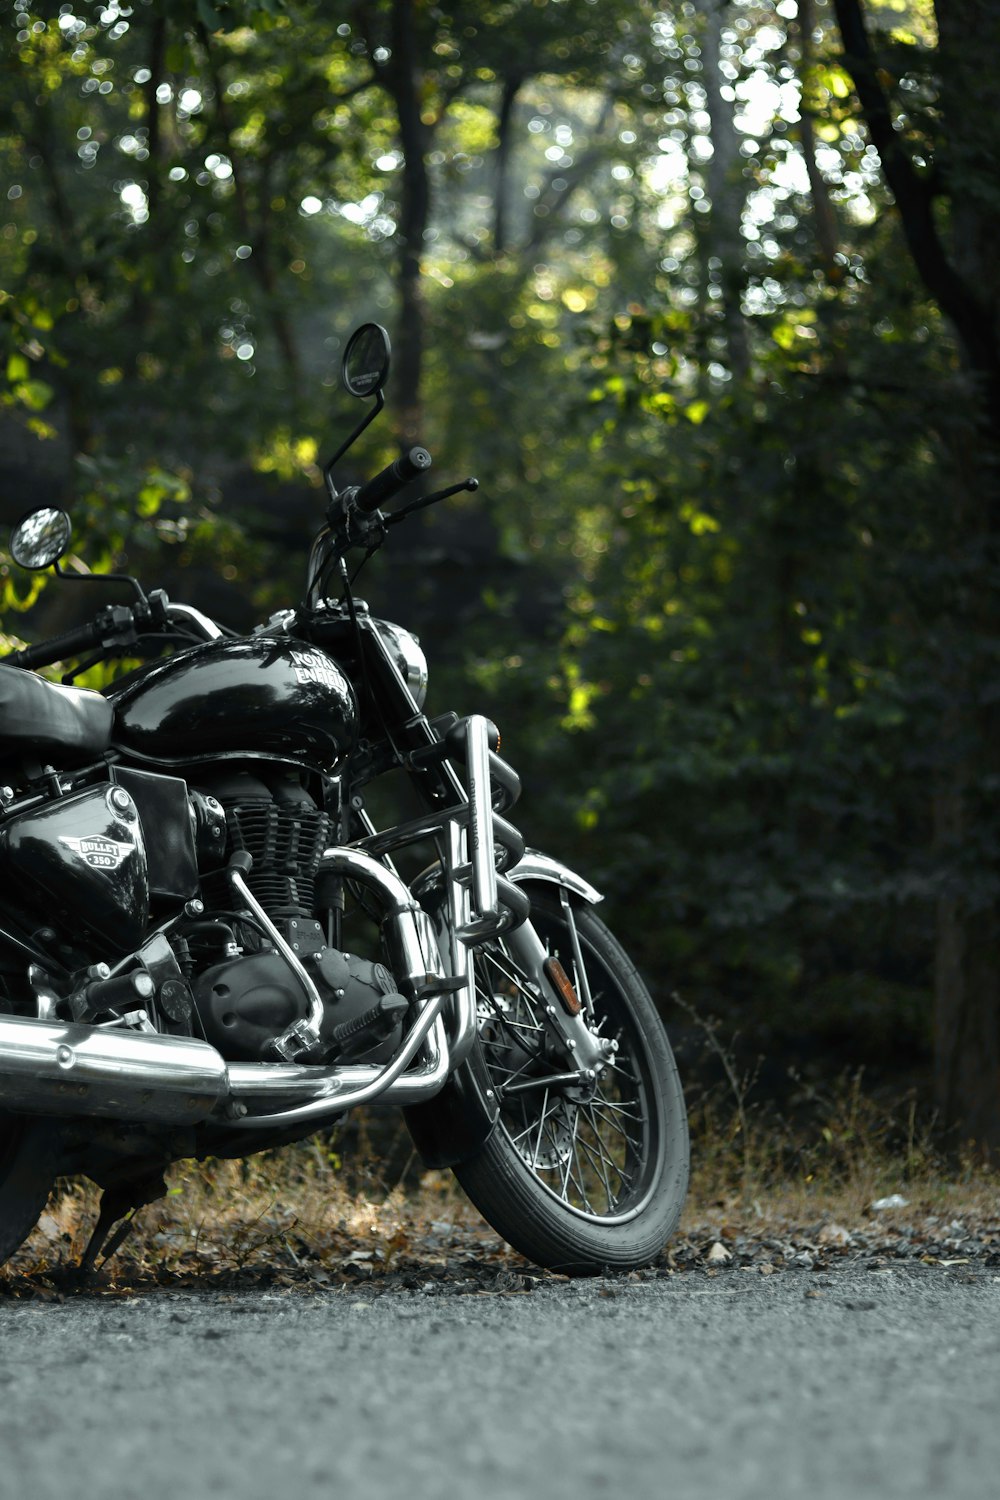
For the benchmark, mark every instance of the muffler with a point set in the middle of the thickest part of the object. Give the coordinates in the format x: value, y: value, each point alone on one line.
x: 70, y: 1069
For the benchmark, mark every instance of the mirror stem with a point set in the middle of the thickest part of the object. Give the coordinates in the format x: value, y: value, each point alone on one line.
x: 348, y: 442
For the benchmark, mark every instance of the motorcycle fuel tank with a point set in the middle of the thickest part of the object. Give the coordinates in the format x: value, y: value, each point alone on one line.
x: 247, y: 698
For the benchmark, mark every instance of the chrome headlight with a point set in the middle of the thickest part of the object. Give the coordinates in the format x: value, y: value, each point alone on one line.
x: 406, y: 651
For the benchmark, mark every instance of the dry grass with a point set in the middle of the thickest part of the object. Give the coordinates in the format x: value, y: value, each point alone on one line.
x: 830, y: 1150
x: 297, y: 1217
x: 875, y: 1169
x: 796, y: 1208
x: 286, y: 1217
x: 287, y: 1220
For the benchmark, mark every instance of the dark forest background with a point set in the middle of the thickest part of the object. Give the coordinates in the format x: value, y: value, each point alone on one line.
x: 706, y: 294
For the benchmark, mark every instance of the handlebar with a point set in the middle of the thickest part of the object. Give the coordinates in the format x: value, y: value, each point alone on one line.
x: 70, y: 643
x: 381, y: 487
x: 116, y: 627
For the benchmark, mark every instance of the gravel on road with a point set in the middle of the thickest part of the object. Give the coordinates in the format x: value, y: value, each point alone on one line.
x: 855, y: 1380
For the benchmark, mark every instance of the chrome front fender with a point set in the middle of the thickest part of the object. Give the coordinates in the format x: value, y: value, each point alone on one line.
x: 535, y: 866
x: 538, y: 866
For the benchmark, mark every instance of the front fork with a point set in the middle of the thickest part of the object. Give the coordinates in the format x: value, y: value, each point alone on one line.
x: 474, y: 906
x: 567, y: 1006
x: 477, y: 914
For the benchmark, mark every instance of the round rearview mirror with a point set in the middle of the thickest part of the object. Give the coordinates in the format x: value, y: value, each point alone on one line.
x: 41, y: 538
x: 366, y: 360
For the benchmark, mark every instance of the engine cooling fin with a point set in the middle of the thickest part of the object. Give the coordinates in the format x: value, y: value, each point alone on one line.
x: 286, y: 844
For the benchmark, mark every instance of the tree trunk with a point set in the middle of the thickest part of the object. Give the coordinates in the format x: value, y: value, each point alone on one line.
x: 723, y: 241
x: 501, y: 161
x: 824, y: 213
x: 959, y: 269
x: 402, y: 78
x: 967, y: 1009
x: 967, y: 997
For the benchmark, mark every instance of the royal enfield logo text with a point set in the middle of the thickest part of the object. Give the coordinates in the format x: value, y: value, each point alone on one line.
x: 312, y: 666
x: 98, y: 852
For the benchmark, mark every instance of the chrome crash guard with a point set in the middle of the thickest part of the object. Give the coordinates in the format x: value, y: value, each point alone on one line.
x: 49, y: 1067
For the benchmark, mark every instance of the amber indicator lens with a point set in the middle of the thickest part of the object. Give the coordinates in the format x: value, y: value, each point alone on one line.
x: 560, y: 980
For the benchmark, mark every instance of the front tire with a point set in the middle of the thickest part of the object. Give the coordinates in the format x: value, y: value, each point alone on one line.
x: 578, y: 1179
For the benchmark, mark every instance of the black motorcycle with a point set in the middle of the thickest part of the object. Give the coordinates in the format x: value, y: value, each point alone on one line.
x: 208, y: 947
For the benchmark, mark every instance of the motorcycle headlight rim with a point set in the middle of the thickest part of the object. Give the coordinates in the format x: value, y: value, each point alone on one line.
x: 409, y: 657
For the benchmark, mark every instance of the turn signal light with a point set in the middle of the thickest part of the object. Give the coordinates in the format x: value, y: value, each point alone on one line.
x: 563, y: 986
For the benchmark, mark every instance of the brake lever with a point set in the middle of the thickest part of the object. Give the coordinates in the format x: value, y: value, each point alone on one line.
x: 421, y: 504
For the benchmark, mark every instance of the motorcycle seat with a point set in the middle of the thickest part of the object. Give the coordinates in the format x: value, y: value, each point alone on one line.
x: 47, y: 721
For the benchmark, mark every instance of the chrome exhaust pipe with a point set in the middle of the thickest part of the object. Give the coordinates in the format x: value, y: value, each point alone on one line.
x: 73, y: 1069
x: 293, y: 1095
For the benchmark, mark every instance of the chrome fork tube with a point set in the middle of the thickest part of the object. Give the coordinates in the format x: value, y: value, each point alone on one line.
x: 481, y: 853
x: 460, y: 953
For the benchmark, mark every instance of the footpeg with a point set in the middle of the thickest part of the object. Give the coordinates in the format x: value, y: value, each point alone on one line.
x: 374, y: 1025
x: 102, y: 997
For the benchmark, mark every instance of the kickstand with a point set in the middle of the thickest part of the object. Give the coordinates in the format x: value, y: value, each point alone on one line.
x: 119, y: 1205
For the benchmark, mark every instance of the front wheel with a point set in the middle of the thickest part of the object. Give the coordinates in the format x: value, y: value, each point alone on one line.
x: 579, y: 1175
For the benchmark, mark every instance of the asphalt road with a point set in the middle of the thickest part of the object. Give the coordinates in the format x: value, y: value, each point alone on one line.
x: 861, y: 1383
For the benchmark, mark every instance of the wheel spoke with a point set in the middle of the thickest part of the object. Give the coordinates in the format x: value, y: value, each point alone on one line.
x: 570, y: 1154
x: 517, y: 1139
x: 541, y: 1126
x: 582, y: 1195
x: 578, y: 1175
x: 622, y: 1142
x: 616, y: 1067
x: 601, y: 1106
x: 597, y: 1163
x: 513, y: 979
x: 511, y: 1075
x: 619, y: 1109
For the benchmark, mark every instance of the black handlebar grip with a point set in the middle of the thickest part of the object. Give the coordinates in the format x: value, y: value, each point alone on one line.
x: 70, y: 643
x: 381, y: 487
